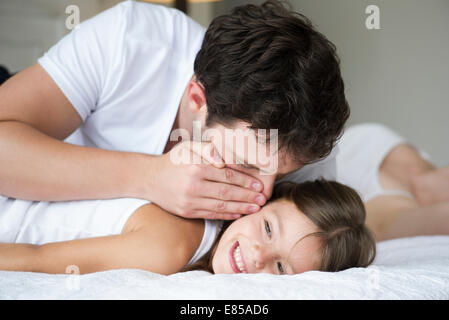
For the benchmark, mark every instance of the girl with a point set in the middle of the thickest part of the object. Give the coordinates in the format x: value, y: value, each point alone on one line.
x: 317, y: 225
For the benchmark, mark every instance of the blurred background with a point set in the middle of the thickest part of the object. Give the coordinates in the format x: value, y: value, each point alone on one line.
x: 397, y: 75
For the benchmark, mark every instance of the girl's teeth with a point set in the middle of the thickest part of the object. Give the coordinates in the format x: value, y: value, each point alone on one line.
x: 238, y: 259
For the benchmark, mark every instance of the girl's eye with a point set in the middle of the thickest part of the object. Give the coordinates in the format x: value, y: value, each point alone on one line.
x: 280, y: 268
x: 267, y: 228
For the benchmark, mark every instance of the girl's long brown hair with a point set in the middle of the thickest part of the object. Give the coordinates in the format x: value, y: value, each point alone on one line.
x: 339, y: 214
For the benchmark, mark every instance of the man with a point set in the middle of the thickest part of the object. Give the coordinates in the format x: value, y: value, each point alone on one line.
x: 92, y: 119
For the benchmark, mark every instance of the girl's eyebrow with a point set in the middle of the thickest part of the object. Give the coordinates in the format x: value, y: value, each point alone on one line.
x: 279, y: 225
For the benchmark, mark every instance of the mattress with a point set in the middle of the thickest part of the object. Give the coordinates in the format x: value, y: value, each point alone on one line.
x: 407, y: 268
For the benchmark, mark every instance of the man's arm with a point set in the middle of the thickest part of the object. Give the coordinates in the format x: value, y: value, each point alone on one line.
x: 35, y: 165
x: 156, y: 241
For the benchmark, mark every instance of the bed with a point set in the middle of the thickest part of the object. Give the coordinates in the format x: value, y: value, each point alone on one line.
x: 408, y: 268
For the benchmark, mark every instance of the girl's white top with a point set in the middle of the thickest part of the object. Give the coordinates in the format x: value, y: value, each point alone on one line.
x: 35, y: 222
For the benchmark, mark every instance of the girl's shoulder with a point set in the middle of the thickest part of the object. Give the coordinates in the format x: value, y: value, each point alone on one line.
x: 150, y: 216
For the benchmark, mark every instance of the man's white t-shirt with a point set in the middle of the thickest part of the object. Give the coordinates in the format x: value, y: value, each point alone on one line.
x: 125, y: 71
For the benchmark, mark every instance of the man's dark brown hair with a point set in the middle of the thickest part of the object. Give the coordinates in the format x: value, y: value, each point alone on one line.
x: 268, y: 66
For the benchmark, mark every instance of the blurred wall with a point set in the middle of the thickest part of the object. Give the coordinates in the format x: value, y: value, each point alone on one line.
x: 398, y: 75
x: 28, y: 28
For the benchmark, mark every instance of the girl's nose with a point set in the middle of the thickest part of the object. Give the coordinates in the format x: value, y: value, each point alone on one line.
x: 260, y: 256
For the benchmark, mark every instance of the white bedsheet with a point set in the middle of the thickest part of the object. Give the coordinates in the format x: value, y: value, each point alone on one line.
x: 409, y: 268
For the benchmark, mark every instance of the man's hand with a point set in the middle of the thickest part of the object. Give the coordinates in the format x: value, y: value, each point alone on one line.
x: 192, y: 181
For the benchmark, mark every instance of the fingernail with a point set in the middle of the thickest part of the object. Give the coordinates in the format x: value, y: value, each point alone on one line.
x: 260, y: 200
x: 256, y: 186
x: 253, y: 209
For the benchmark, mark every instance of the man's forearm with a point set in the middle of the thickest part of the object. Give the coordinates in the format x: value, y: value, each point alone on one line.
x: 34, y: 166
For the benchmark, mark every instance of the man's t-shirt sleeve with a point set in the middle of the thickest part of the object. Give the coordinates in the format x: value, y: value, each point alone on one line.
x: 79, y: 62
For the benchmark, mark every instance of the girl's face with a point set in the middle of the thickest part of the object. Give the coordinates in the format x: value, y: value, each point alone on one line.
x: 267, y: 242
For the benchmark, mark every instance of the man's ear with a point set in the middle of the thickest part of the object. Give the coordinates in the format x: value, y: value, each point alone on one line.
x: 196, y: 96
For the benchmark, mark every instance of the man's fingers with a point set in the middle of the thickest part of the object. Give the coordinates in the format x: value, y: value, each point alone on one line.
x: 205, y: 152
x: 231, y: 176
x: 201, y: 214
x: 228, y: 192
x: 222, y: 206
x: 208, y: 153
